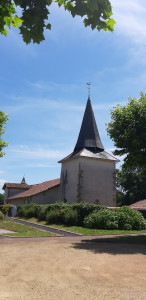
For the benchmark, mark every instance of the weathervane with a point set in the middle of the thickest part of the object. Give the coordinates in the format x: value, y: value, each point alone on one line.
x: 88, y: 84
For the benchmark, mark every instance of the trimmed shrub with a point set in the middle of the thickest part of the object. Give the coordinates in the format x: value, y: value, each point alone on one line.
x: 28, y: 210
x: 31, y: 211
x: 42, y: 212
x: 102, y: 219
x: 6, y: 210
x: 84, y: 214
x: 21, y: 211
x: 129, y: 219
x: 45, y: 209
x: 70, y: 217
x: 123, y: 218
x: 58, y: 205
x: 1, y: 216
x: 54, y: 216
x: 83, y: 210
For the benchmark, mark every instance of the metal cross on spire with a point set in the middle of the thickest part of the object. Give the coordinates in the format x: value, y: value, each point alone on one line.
x: 89, y: 84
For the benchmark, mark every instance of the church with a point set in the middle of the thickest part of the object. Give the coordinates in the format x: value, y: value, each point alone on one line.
x: 87, y: 174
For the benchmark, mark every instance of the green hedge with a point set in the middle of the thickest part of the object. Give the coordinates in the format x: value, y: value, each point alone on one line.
x: 54, y: 216
x: 41, y: 211
x: 6, y: 210
x: 103, y: 219
x: 66, y: 216
x: 28, y: 210
x: 1, y: 216
x: 83, y: 210
x: 45, y: 209
x: 130, y: 219
x: 124, y: 218
x: 86, y: 215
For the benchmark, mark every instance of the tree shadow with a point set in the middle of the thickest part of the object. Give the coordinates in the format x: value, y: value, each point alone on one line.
x: 112, y: 247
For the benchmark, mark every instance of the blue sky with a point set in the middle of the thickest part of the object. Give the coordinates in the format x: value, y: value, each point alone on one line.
x: 43, y: 87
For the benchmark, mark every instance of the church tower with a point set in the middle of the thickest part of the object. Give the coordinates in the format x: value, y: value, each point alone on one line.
x: 88, y: 173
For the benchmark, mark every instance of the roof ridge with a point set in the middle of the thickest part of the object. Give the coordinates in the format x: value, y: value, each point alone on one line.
x: 38, y: 188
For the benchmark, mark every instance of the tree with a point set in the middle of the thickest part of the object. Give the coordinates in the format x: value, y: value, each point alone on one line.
x: 1, y: 199
x: 131, y: 185
x: 3, y: 120
x: 128, y: 131
x: 34, y: 15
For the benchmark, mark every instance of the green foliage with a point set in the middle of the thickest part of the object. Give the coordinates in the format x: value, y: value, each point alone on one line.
x: 54, y: 216
x: 34, y: 16
x: 103, y: 219
x: 128, y: 131
x: 21, y: 211
x: 6, y: 210
x: 129, y: 219
x: 57, y: 205
x: 28, y: 210
x: 67, y: 216
x: 3, y: 120
x: 42, y: 212
x: 92, y: 216
x: 83, y: 210
x: 31, y: 211
x: 131, y: 185
x: 8, y: 16
x: 45, y: 209
x: 124, y: 218
x: 1, y: 199
x: 1, y: 216
x: 70, y: 217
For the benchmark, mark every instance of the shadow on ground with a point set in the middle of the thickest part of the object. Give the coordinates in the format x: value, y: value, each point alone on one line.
x: 111, y: 247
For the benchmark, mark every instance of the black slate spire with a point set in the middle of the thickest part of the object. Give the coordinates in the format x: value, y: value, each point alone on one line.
x: 89, y: 136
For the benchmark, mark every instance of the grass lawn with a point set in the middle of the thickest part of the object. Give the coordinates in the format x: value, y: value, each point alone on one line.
x: 84, y: 231
x: 22, y: 230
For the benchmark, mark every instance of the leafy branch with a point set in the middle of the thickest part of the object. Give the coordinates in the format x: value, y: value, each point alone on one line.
x: 34, y: 16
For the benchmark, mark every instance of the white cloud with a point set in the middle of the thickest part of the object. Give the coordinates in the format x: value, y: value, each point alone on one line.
x: 53, y: 86
x: 2, y: 181
x: 18, y: 152
x: 49, y: 104
x: 2, y: 172
x: 131, y: 19
x: 130, y: 28
x: 41, y: 165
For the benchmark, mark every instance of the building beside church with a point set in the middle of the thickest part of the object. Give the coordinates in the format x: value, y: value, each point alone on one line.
x: 22, y: 193
x: 87, y: 174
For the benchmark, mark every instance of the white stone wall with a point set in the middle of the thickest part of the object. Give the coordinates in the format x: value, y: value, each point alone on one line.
x: 11, y: 192
x: 68, y: 189
x: 89, y: 180
x: 19, y: 201
x: 47, y: 197
x: 6, y: 195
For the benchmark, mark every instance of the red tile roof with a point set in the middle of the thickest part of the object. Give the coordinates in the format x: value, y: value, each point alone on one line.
x: 139, y: 204
x: 16, y: 185
x: 38, y: 188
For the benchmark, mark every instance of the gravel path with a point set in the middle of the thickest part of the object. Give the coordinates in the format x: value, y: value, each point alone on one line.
x: 65, y: 268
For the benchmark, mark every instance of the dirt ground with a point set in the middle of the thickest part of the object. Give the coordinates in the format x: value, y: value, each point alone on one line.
x: 68, y: 269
